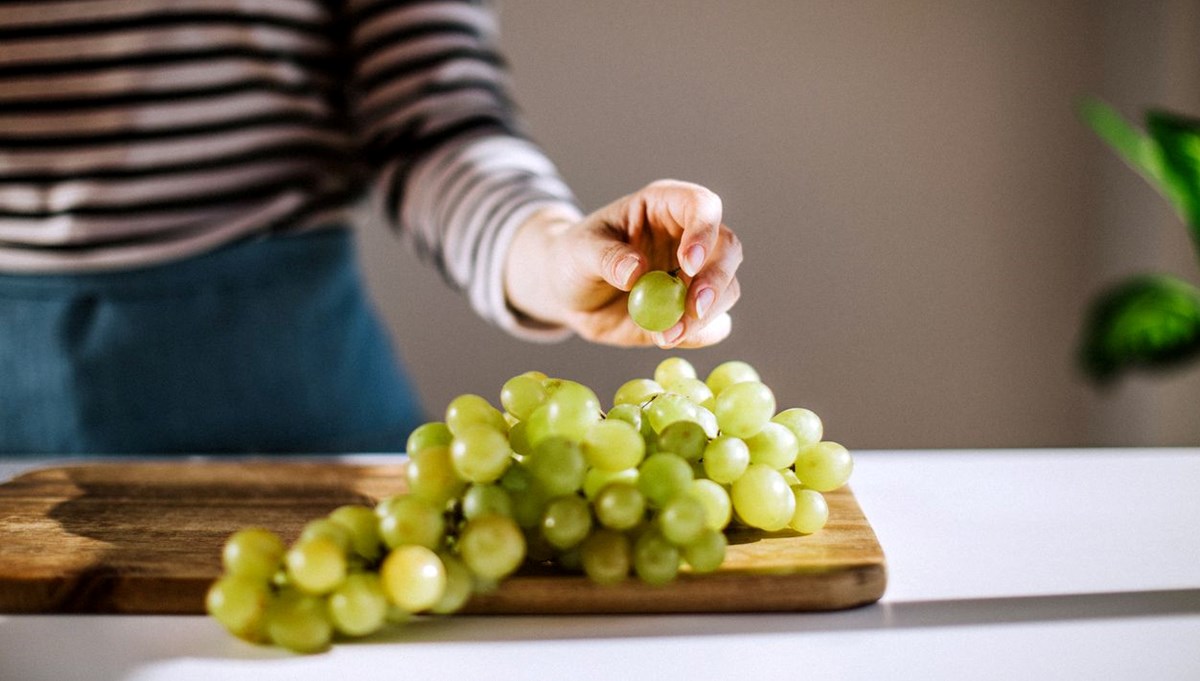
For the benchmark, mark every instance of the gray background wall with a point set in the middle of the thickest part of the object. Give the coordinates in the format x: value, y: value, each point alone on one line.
x: 923, y: 215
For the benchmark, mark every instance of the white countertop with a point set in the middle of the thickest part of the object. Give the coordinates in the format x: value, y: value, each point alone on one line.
x: 1002, y: 564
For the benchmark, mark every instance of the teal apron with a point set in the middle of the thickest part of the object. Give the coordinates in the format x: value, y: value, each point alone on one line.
x: 267, y: 345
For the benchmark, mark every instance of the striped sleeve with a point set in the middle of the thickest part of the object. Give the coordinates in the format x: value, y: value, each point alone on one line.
x: 451, y: 164
x: 138, y: 132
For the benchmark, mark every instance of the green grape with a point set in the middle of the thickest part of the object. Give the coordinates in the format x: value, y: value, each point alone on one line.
x: 655, y: 560
x: 557, y: 466
x: 459, y: 586
x: 299, y: 622
x: 432, y: 434
x: 662, y: 476
x: 358, y: 607
x: 597, y: 479
x: 613, y: 445
x: 812, y: 511
x: 552, y: 384
x: 629, y: 413
x: 668, y: 408
x: 571, y: 410
x: 431, y: 476
x: 681, y: 520
x: 743, y: 408
x: 773, y: 445
x: 730, y: 373
x: 518, y: 438
x: 707, y: 421
x: 683, y: 438
x: 707, y: 552
x: 804, y: 424
x: 824, y: 466
x: 484, y: 499
x: 537, y: 375
x: 692, y: 388
x: 529, y: 507
x: 762, y: 499
x: 606, y: 556
x: 491, y: 546
x: 620, y: 506
x: 537, y: 426
x: 656, y: 300
x: 480, y: 453
x: 516, y: 481
x: 718, y: 509
x: 566, y: 521
x: 520, y: 395
x: 413, y: 577
x: 672, y: 369
x: 253, y: 552
x: 467, y: 410
x: 410, y: 520
x: 636, y: 392
x: 726, y: 458
x: 239, y: 603
x: 363, y: 526
x: 316, y: 565
x: 528, y: 499
x: 328, y: 528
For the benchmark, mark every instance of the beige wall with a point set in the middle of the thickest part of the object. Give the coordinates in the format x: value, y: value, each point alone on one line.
x: 922, y: 213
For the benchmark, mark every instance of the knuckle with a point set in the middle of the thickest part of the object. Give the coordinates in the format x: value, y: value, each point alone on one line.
x: 733, y: 292
x: 731, y: 245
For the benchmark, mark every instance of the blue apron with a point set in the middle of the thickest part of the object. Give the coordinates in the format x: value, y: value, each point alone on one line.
x: 267, y: 345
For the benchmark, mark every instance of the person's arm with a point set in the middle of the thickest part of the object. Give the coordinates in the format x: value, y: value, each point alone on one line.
x: 488, y: 208
x: 452, y: 167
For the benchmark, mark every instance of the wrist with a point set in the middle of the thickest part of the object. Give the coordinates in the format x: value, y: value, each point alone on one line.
x: 529, y: 282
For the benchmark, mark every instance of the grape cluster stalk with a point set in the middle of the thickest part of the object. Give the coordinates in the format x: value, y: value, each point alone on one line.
x: 644, y: 490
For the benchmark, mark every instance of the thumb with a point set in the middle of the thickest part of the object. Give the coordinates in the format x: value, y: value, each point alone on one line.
x: 613, y: 260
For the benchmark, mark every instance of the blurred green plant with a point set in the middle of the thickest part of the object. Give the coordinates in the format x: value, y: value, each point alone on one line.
x: 1149, y: 321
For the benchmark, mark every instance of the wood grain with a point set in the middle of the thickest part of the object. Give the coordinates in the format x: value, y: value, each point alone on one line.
x: 145, y: 538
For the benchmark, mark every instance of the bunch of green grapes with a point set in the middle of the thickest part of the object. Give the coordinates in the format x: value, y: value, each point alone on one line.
x: 645, y: 489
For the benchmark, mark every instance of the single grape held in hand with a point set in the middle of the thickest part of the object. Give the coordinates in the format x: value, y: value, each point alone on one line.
x: 656, y: 301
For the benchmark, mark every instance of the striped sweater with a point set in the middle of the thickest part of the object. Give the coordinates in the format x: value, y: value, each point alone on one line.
x: 136, y: 132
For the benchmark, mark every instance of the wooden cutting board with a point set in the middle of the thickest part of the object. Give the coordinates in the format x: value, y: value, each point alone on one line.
x: 146, y: 538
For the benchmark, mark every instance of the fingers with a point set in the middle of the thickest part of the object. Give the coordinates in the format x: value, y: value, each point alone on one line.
x: 711, y: 293
x: 694, y: 333
x: 619, y: 264
x: 715, y: 331
x: 690, y: 215
x: 711, y: 284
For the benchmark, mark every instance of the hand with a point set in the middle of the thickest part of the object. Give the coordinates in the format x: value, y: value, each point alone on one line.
x: 578, y: 273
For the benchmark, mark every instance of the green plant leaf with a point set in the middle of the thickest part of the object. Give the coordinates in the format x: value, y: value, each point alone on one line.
x: 1178, y: 139
x: 1147, y: 322
x: 1135, y: 147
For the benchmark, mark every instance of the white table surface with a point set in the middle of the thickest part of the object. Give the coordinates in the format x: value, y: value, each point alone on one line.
x: 1029, y: 564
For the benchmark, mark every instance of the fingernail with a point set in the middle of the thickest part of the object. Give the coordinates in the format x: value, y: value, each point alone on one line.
x: 672, y: 334
x: 704, y: 300
x: 625, y: 270
x: 693, y: 260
